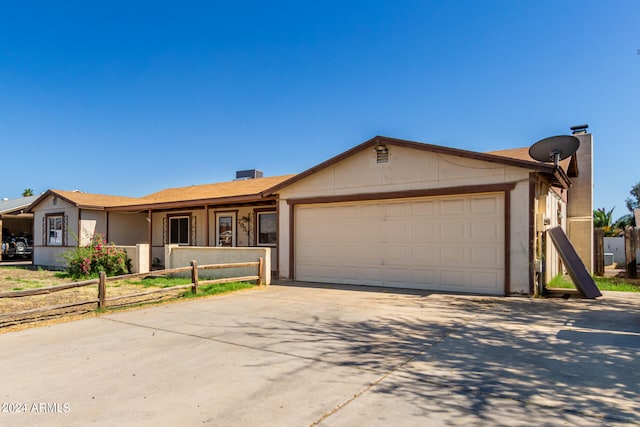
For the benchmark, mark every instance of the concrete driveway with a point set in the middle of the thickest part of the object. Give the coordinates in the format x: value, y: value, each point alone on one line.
x: 334, y: 356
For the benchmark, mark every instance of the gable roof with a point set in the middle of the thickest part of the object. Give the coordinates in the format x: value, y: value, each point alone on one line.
x: 85, y: 200
x: 16, y: 205
x: 555, y: 174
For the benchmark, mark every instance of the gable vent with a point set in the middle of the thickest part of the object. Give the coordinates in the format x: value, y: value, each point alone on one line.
x: 382, y: 153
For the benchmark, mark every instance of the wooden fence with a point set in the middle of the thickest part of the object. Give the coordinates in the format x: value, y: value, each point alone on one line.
x: 631, y: 246
x: 102, y: 299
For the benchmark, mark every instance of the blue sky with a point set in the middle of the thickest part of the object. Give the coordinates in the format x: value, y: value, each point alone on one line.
x: 128, y: 98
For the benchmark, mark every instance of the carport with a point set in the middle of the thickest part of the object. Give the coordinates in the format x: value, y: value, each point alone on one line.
x: 14, y: 220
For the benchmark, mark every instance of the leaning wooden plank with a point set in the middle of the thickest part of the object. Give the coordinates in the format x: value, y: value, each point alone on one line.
x: 47, y: 290
x: 229, y: 280
x: 43, y: 309
x: 228, y: 265
x: 153, y: 291
x: 576, y: 268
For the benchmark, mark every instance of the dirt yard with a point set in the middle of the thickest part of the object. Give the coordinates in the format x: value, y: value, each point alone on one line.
x: 21, y: 278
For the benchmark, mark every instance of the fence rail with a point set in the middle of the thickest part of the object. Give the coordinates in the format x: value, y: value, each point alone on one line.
x: 102, y: 299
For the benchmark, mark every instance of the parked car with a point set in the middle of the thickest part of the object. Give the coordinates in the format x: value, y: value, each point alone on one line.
x: 17, y: 247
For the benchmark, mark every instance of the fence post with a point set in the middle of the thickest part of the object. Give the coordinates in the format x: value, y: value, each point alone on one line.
x: 261, y: 271
x: 102, y: 290
x: 194, y: 277
x: 598, y: 251
x: 630, y: 253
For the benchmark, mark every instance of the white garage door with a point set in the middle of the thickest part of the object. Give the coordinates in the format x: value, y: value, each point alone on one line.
x: 453, y: 243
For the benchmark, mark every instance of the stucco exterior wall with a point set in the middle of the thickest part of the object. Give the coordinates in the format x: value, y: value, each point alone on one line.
x: 139, y: 256
x: 91, y: 222
x: 181, y: 256
x: 127, y: 229
x: 50, y: 255
x: 580, y: 203
x: 410, y: 169
x: 519, y: 247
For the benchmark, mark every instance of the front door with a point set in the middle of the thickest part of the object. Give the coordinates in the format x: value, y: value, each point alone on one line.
x: 226, y: 229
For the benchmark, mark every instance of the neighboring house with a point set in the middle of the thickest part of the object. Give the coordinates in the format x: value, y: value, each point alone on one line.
x: 14, y: 219
x: 387, y: 212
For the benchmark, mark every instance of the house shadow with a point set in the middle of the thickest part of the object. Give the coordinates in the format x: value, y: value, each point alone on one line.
x: 470, y: 354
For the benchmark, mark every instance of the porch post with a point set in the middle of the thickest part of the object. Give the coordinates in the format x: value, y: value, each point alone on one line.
x: 206, y: 225
x: 150, y: 238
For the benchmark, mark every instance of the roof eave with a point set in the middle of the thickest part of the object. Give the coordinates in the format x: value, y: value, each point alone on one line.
x: 252, y: 198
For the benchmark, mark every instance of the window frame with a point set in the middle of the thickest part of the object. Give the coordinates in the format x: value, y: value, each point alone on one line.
x: 48, y: 218
x: 179, y: 217
x: 258, y: 227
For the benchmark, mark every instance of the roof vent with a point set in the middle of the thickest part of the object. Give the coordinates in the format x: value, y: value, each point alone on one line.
x: 382, y: 153
x: 249, y: 174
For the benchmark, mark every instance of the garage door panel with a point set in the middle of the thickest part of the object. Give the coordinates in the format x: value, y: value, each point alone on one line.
x: 396, y: 231
x: 396, y: 210
x: 423, y: 208
x: 485, y: 230
x: 423, y: 231
x: 453, y: 279
x: 441, y: 243
x: 396, y: 255
x: 484, y: 205
x: 453, y: 255
x: 451, y: 231
x: 422, y: 276
x: 486, y: 280
x: 485, y: 256
x: 398, y: 276
x: 452, y: 207
x: 424, y: 255
x: 373, y: 274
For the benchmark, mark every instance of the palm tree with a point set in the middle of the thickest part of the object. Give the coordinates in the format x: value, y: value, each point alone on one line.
x: 27, y: 192
x: 603, y: 219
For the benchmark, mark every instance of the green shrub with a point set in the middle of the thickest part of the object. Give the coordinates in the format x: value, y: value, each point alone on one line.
x: 88, y: 261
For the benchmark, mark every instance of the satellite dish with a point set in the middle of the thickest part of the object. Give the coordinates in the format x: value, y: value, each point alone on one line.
x: 554, y: 149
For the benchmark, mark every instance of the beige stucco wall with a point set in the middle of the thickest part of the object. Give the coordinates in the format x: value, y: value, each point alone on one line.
x: 580, y: 203
x: 50, y: 255
x: 181, y: 256
x: 92, y: 222
x: 128, y: 228
x: 410, y: 169
x: 139, y: 256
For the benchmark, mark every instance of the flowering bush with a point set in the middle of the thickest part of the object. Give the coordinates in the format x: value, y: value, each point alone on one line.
x: 88, y: 261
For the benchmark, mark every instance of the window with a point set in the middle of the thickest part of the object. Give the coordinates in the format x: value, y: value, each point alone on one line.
x: 55, y: 230
x: 179, y: 230
x: 267, y: 228
x: 225, y: 230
